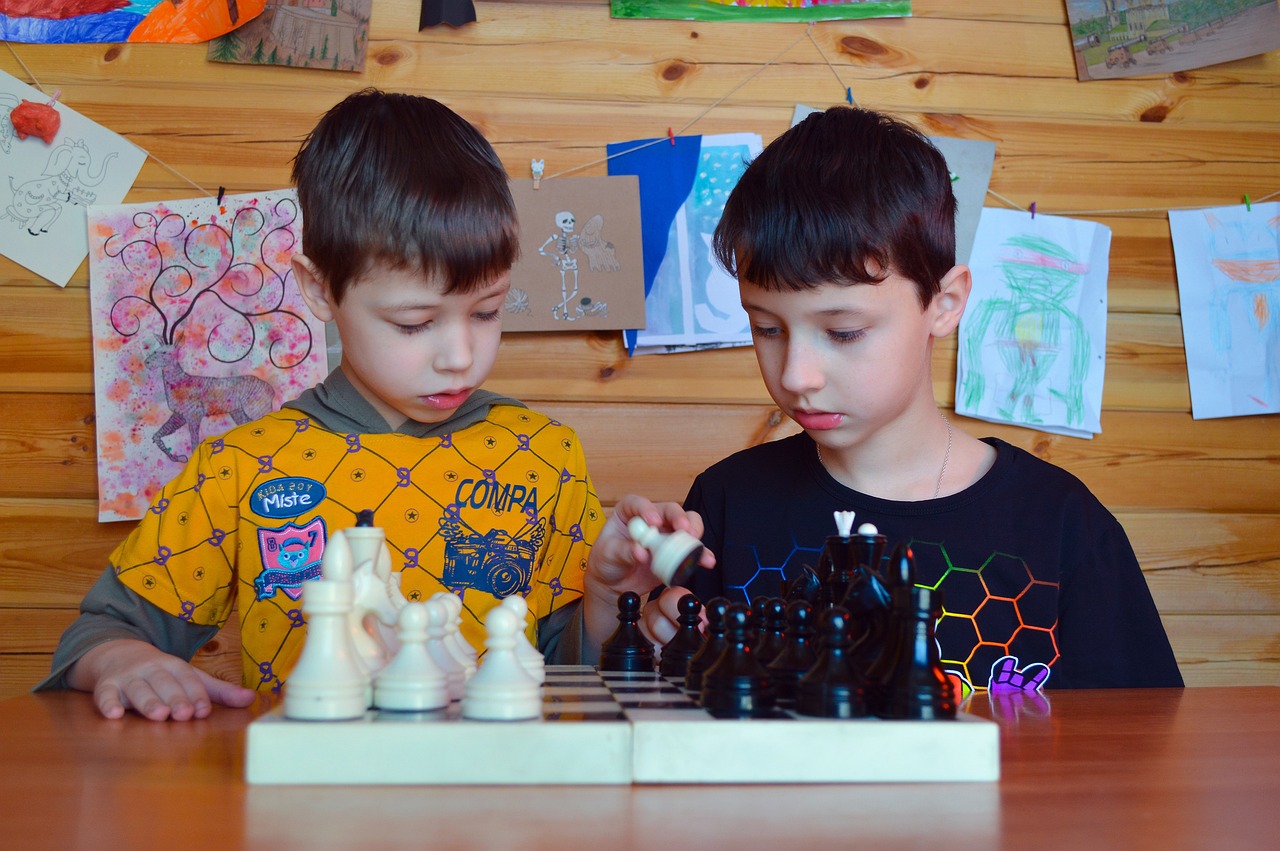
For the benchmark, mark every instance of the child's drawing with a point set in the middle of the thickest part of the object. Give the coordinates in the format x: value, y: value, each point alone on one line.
x: 197, y: 327
x: 1228, y: 262
x: 563, y: 254
x: 326, y: 34
x: 1033, y: 339
x: 1122, y: 38
x: 82, y: 21
x: 689, y: 300
x: 46, y: 187
x: 572, y: 275
x: 761, y: 10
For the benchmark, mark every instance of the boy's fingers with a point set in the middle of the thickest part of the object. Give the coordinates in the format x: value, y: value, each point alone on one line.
x: 224, y: 693
x: 109, y: 702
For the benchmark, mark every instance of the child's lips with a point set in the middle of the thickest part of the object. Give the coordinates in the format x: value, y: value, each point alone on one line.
x: 447, y: 400
x: 817, y: 420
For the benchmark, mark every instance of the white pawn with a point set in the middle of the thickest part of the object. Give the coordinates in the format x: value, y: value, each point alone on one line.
x: 411, y: 681
x: 675, y: 554
x: 530, y: 659
x: 459, y: 646
x: 501, y: 690
x: 328, y: 682
x: 437, y: 625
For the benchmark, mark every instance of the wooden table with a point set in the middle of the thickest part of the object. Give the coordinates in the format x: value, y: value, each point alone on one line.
x: 1129, y: 769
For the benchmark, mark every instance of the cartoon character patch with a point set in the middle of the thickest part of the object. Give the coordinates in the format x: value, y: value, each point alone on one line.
x: 290, y: 556
x: 495, y: 562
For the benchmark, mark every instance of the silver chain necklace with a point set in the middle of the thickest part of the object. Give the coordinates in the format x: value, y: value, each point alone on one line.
x: 946, y: 457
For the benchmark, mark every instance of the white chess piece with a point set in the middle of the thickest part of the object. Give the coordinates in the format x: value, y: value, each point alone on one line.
x: 459, y: 646
x: 328, y: 683
x: 530, y: 659
x: 844, y: 523
x: 378, y: 601
x: 501, y: 690
x: 675, y: 554
x: 411, y: 681
x: 437, y: 627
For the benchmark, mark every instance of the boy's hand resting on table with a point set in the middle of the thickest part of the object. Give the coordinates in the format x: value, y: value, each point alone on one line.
x: 618, y: 564
x: 129, y: 674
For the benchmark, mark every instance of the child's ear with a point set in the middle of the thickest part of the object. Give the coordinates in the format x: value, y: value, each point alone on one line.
x: 315, y: 292
x: 949, y: 303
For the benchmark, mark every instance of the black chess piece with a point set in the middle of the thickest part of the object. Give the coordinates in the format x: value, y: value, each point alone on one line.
x: 797, y: 655
x: 737, y: 685
x: 627, y: 649
x: 773, y: 630
x: 866, y: 598
x: 916, y: 686
x: 755, y: 619
x: 687, y: 641
x: 900, y: 572
x: 832, y: 688
x: 364, y: 517
x: 713, y: 645
x: 805, y: 586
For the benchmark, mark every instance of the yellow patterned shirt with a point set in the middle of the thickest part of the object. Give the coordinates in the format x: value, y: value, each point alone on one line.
x: 502, y: 506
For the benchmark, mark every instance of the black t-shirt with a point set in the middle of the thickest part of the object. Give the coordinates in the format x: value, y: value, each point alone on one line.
x: 1031, y: 565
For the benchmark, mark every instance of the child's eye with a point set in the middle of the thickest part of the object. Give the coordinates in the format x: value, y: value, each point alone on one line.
x: 765, y: 330
x: 413, y: 329
x: 847, y: 336
x: 488, y: 316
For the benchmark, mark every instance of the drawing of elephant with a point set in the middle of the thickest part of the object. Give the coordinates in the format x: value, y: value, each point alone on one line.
x: 38, y: 202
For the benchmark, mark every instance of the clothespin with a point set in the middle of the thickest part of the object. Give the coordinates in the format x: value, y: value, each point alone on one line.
x: 848, y: 95
x: 1248, y: 205
x: 955, y: 178
x: 671, y: 135
x: 55, y: 97
x: 1033, y: 209
x: 222, y: 190
x: 536, y: 167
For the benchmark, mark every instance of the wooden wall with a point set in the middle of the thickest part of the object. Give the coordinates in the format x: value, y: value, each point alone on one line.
x: 559, y: 79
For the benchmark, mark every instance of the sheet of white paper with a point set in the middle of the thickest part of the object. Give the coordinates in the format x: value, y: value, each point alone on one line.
x: 693, y: 299
x: 1032, y: 349
x: 1228, y: 263
x: 46, y: 188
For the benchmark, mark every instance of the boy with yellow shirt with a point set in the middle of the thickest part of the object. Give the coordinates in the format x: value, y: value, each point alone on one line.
x: 409, y: 236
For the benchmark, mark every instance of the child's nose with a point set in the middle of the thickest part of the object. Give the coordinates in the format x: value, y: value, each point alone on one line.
x: 455, y: 352
x: 802, y: 369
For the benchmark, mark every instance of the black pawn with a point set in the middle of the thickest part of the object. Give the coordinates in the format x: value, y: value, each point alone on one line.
x: 833, y: 687
x: 627, y: 649
x: 712, y: 645
x: 797, y: 655
x: 773, y: 630
x: 917, y: 687
x: 737, y: 685
x: 687, y: 641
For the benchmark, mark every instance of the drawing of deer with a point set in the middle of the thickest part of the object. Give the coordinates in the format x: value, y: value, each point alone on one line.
x: 191, y: 398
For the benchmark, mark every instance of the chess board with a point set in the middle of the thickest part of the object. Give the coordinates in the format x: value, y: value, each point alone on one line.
x: 616, y: 728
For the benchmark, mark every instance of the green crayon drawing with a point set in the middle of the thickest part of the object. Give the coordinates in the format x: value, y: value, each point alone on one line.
x: 1030, y: 325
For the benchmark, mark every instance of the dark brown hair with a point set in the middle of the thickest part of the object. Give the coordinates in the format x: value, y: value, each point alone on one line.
x: 403, y: 180
x: 845, y: 196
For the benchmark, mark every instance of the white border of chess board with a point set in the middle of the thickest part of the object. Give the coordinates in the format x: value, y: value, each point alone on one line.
x: 652, y: 744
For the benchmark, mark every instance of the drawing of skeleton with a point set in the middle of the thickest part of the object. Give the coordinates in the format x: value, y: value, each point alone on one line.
x: 563, y: 255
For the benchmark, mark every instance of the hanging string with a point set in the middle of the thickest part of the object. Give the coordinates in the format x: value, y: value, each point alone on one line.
x: 1119, y: 212
x: 848, y: 90
x: 693, y: 120
x: 18, y: 58
x: 171, y: 169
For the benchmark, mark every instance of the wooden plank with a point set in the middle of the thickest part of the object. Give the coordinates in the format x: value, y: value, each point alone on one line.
x: 45, y: 334
x: 1141, y: 460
